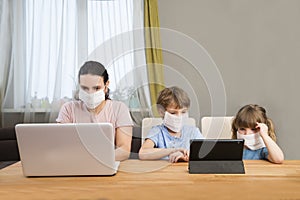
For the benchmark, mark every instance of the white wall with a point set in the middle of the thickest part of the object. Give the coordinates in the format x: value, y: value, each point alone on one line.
x: 256, y: 46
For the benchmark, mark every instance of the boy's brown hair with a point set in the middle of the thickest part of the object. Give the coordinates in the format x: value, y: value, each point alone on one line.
x: 172, y: 96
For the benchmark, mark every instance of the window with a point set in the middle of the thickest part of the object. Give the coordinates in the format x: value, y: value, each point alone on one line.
x: 60, y: 36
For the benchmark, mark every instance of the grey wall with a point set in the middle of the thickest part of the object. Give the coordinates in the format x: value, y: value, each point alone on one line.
x: 256, y: 47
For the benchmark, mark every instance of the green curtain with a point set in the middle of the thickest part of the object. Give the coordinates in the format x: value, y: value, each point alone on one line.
x: 154, y: 57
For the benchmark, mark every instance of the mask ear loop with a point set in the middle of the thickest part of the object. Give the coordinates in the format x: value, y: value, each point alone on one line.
x: 106, y: 92
x: 161, y: 110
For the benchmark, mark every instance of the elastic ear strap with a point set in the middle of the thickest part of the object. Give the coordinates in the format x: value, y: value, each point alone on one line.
x: 106, y: 93
x: 161, y: 110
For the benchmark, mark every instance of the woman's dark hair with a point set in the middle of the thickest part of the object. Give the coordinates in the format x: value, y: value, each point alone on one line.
x: 94, y: 68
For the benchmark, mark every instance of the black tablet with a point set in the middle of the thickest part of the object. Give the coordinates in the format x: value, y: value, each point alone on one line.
x: 216, y: 156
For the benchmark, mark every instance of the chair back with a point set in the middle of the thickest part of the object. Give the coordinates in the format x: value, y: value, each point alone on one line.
x: 216, y: 127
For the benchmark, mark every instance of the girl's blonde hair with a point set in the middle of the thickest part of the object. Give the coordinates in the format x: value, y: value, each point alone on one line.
x: 247, y: 117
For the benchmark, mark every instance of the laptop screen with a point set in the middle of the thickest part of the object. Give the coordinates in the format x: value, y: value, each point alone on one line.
x: 66, y: 149
x: 216, y: 149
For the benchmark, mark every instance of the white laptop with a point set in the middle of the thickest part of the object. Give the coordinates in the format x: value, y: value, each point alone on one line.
x: 79, y: 149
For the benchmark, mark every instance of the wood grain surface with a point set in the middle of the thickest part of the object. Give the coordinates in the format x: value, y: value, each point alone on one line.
x: 159, y: 180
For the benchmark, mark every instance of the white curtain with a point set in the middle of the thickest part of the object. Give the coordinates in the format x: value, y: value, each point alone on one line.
x: 46, y: 42
x: 5, y: 47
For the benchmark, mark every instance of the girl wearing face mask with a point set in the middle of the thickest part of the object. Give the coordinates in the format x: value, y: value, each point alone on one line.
x: 252, y: 124
x: 95, y: 106
x: 171, y: 139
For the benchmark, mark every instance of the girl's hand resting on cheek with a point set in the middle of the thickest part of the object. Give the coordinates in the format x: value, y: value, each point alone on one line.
x: 262, y: 129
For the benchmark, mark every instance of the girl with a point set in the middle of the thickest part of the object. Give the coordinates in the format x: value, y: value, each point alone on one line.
x: 252, y: 124
x: 171, y: 140
x: 94, y: 106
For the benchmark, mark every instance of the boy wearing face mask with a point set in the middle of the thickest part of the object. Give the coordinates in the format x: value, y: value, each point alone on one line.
x: 252, y: 124
x: 170, y: 140
x: 95, y: 106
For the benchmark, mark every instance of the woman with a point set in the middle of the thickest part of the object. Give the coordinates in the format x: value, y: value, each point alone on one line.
x: 95, y: 106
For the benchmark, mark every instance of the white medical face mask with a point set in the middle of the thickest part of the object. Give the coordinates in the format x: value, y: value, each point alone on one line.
x: 92, y: 100
x: 174, y: 122
x: 252, y: 141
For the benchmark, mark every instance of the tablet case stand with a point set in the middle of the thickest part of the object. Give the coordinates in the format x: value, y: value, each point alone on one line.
x: 216, y: 156
x: 217, y: 167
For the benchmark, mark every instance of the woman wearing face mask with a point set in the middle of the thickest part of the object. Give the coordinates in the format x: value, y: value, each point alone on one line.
x: 170, y: 140
x: 95, y: 106
x: 252, y: 124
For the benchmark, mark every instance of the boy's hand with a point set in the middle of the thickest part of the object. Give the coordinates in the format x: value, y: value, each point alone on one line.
x: 182, y: 150
x: 178, y: 155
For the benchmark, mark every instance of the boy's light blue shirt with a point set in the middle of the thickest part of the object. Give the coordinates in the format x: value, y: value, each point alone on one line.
x: 259, y: 154
x: 162, y: 139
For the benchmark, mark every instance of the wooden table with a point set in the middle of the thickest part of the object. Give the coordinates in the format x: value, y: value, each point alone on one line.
x: 159, y: 180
